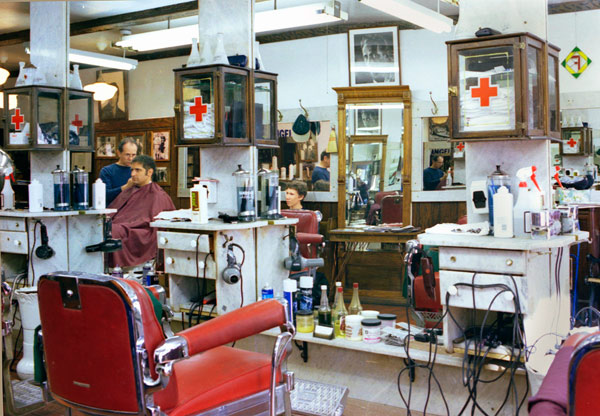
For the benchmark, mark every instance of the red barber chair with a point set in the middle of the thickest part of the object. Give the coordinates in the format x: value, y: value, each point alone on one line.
x: 424, y: 289
x: 106, y: 353
x: 391, y: 209
x: 583, y: 380
x: 374, y: 216
x: 307, y: 233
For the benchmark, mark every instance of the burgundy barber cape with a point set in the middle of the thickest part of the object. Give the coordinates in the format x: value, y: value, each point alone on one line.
x: 136, y: 208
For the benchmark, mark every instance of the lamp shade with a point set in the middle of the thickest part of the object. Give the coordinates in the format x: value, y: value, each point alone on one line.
x: 102, y: 91
x: 3, y: 75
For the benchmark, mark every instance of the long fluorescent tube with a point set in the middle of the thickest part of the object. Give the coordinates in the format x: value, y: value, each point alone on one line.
x: 414, y: 13
x: 99, y: 59
x: 307, y: 15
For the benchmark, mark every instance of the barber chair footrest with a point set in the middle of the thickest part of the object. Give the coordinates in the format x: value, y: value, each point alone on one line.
x: 318, y: 399
x: 26, y: 394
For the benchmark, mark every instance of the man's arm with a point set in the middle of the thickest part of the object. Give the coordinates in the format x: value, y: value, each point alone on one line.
x: 111, y: 191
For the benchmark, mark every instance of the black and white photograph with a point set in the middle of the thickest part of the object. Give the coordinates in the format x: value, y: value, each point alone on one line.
x: 106, y: 146
x: 439, y: 129
x: 114, y: 108
x: 374, y: 56
x: 160, y: 145
x: 368, y: 121
x: 162, y: 174
x: 140, y: 140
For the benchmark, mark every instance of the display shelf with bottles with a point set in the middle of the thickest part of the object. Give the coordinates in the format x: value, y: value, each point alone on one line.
x: 503, y: 87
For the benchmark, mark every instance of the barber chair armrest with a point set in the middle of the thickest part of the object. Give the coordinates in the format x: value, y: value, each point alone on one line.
x: 307, y: 238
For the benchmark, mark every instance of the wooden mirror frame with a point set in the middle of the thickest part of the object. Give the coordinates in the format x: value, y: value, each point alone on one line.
x: 364, y: 95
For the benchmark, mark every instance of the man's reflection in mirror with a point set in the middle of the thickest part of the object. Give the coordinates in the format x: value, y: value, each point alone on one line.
x: 433, y: 176
x: 321, y: 171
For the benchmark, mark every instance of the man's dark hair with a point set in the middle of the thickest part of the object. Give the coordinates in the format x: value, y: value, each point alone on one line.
x: 324, y: 153
x: 128, y: 140
x: 148, y: 163
x: 299, y: 186
x: 434, y: 158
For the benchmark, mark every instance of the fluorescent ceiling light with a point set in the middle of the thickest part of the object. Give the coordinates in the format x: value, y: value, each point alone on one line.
x: 414, y: 13
x: 311, y: 14
x: 99, y: 59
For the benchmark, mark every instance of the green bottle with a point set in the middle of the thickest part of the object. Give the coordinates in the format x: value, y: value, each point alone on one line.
x: 324, y: 309
x: 339, y: 314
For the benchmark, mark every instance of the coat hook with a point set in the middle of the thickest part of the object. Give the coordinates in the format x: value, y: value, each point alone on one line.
x: 280, y: 115
x: 435, y: 109
x: 305, y: 111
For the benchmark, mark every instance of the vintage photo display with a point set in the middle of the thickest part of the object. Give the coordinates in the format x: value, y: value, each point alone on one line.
x: 106, y: 147
x: 160, y: 145
x: 114, y: 108
x: 374, y: 56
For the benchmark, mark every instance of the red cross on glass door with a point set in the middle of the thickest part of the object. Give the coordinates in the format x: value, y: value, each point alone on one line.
x: 484, y: 91
x: 198, y: 109
x: 572, y: 142
x: 77, y: 123
x: 460, y: 146
x: 17, y: 119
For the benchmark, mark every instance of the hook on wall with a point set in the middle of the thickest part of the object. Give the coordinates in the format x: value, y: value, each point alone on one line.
x: 305, y: 110
x: 435, y: 108
x: 280, y: 117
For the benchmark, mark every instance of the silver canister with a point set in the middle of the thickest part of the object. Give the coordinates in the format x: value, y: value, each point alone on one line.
x: 268, y: 195
x: 81, y: 189
x: 246, y: 201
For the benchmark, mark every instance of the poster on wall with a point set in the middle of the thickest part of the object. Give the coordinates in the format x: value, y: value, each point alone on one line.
x: 114, y: 108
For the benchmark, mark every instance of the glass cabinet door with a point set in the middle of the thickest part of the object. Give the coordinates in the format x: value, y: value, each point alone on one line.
x: 572, y: 142
x: 535, y: 89
x: 18, y: 118
x: 48, y: 109
x: 80, y: 119
x: 264, y: 111
x: 553, y: 97
x: 198, y: 109
x: 235, y: 103
x: 486, y: 89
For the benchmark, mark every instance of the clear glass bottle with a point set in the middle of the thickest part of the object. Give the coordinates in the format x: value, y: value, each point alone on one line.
x: 355, y: 306
x: 338, y: 315
x: 324, y: 309
x: 335, y: 299
x: 194, y: 58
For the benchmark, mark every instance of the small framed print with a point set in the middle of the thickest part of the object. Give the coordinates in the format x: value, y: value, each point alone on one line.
x: 162, y: 174
x: 106, y: 147
x: 368, y: 121
x: 161, y: 141
x: 374, y: 56
x: 139, y: 139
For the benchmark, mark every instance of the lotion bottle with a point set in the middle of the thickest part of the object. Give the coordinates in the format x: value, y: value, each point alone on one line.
x: 36, y: 196
x: 503, y: 213
x: 99, y: 194
x: 7, y: 195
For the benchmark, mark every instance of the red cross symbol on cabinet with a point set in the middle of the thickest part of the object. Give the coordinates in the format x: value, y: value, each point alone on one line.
x: 460, y: 146
x: 484, y: 92
x: 572, y: 142
x: 17, y: 119
x: 198, y: 109
x: 77, y: 123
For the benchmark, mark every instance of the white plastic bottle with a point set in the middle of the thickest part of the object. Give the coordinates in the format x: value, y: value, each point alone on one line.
x: 199, y: 204
x: 8, y: 195
x: 449, y: 177
x: 522, y: 211
x: 36, y: 196
x: 99, y: 194
x: 503, y: 213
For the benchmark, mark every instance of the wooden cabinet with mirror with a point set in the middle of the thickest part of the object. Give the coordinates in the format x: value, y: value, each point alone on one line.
x: 377, y: 124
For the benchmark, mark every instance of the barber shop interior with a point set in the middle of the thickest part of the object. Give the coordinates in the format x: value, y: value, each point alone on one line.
x: 300, y: 207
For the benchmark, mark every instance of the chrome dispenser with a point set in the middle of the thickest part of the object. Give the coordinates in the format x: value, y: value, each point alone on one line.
x: 268, y: 194
x: 246, y: 202
x: 81, y: 189
x: 62, y: 189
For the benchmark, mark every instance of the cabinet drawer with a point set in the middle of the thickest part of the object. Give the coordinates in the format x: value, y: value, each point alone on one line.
x: 481, y: 260
x: 12, y: 224
x: 13, y: 242
x: 183, y: 241
x: 184, y: 263
x: 463, y: 297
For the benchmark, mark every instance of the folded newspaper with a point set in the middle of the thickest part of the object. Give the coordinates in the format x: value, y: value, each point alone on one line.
x: 479, y: 228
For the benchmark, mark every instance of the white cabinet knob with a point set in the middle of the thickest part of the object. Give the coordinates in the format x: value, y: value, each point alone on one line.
x: 509, y: 262
x: 170, y: 260
x: 509, y: 296
x: 163, y: 240
x: 201, y: 264
x: 193, y: 243
x: 452, y: 290
x: 17, y: 243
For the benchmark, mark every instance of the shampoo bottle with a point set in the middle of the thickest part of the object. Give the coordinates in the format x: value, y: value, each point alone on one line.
x: 8, y: 195
x: 99, y: 194
x: 36, y: 196
x: 503, y: 213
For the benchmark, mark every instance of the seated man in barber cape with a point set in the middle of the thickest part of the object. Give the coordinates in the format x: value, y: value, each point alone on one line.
x: 136, y: 208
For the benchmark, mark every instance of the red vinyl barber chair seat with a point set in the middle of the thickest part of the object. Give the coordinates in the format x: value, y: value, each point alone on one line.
x: 307, y: 231
x: 106, y: 353
x: 391, y: 209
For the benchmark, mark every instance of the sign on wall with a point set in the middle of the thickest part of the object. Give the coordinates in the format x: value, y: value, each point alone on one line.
x: 576, y: 62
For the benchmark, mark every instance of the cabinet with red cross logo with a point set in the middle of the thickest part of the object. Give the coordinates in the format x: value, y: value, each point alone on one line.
x: 503, y: 87
x: 225, y: 105
x: 576, y: 141
x: 48, y: 118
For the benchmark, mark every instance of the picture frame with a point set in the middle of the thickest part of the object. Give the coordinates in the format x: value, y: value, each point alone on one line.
x: 161, y: 142
x: 105, y: 147
x: 140, y: 139
x: 116, y: 107
x: 162, y: 174
x: 374, y: 56
x: 367, y: 121
x: 439, y: 129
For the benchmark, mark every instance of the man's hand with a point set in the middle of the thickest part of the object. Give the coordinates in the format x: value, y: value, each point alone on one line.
x: 444, y: 176
x: 128, y: 185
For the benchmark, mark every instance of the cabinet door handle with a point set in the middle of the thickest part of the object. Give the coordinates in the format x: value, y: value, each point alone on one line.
x: 163, y: 240
x: 453, y: 259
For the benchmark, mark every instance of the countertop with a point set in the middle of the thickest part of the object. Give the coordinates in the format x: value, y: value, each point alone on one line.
x: 23, y: 213
x: 218, y: 225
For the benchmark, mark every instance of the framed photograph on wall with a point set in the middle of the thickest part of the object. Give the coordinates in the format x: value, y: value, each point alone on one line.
x: 368, y: 121
x: 114, y: 108
x: 374, y: 56
x: 106, y: 147
x: 439, y: 129
x: 139, y: 138
x: 160, y: 145
x: 162, y: 174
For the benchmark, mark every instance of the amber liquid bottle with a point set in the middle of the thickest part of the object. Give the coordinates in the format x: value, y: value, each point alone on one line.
x: 324, y: 309
x: 355, y: 307
x: 338, y: 315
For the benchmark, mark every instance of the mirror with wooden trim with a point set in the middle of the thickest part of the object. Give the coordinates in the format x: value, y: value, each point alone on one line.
x: 374, y: 158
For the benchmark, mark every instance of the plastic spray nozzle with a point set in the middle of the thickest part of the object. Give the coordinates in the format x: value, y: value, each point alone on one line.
x: 556, y: 176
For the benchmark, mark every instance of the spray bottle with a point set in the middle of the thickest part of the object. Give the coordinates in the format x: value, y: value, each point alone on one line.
x: 528, y: 200
x: 7, y: 197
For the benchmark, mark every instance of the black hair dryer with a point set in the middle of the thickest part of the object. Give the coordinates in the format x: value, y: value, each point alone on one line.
x: 109, y: 244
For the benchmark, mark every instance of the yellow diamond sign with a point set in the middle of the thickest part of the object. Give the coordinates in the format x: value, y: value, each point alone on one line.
x: 576, y: 62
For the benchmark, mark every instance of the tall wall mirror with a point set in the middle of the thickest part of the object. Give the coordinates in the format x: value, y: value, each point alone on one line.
x: 374, y: 159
